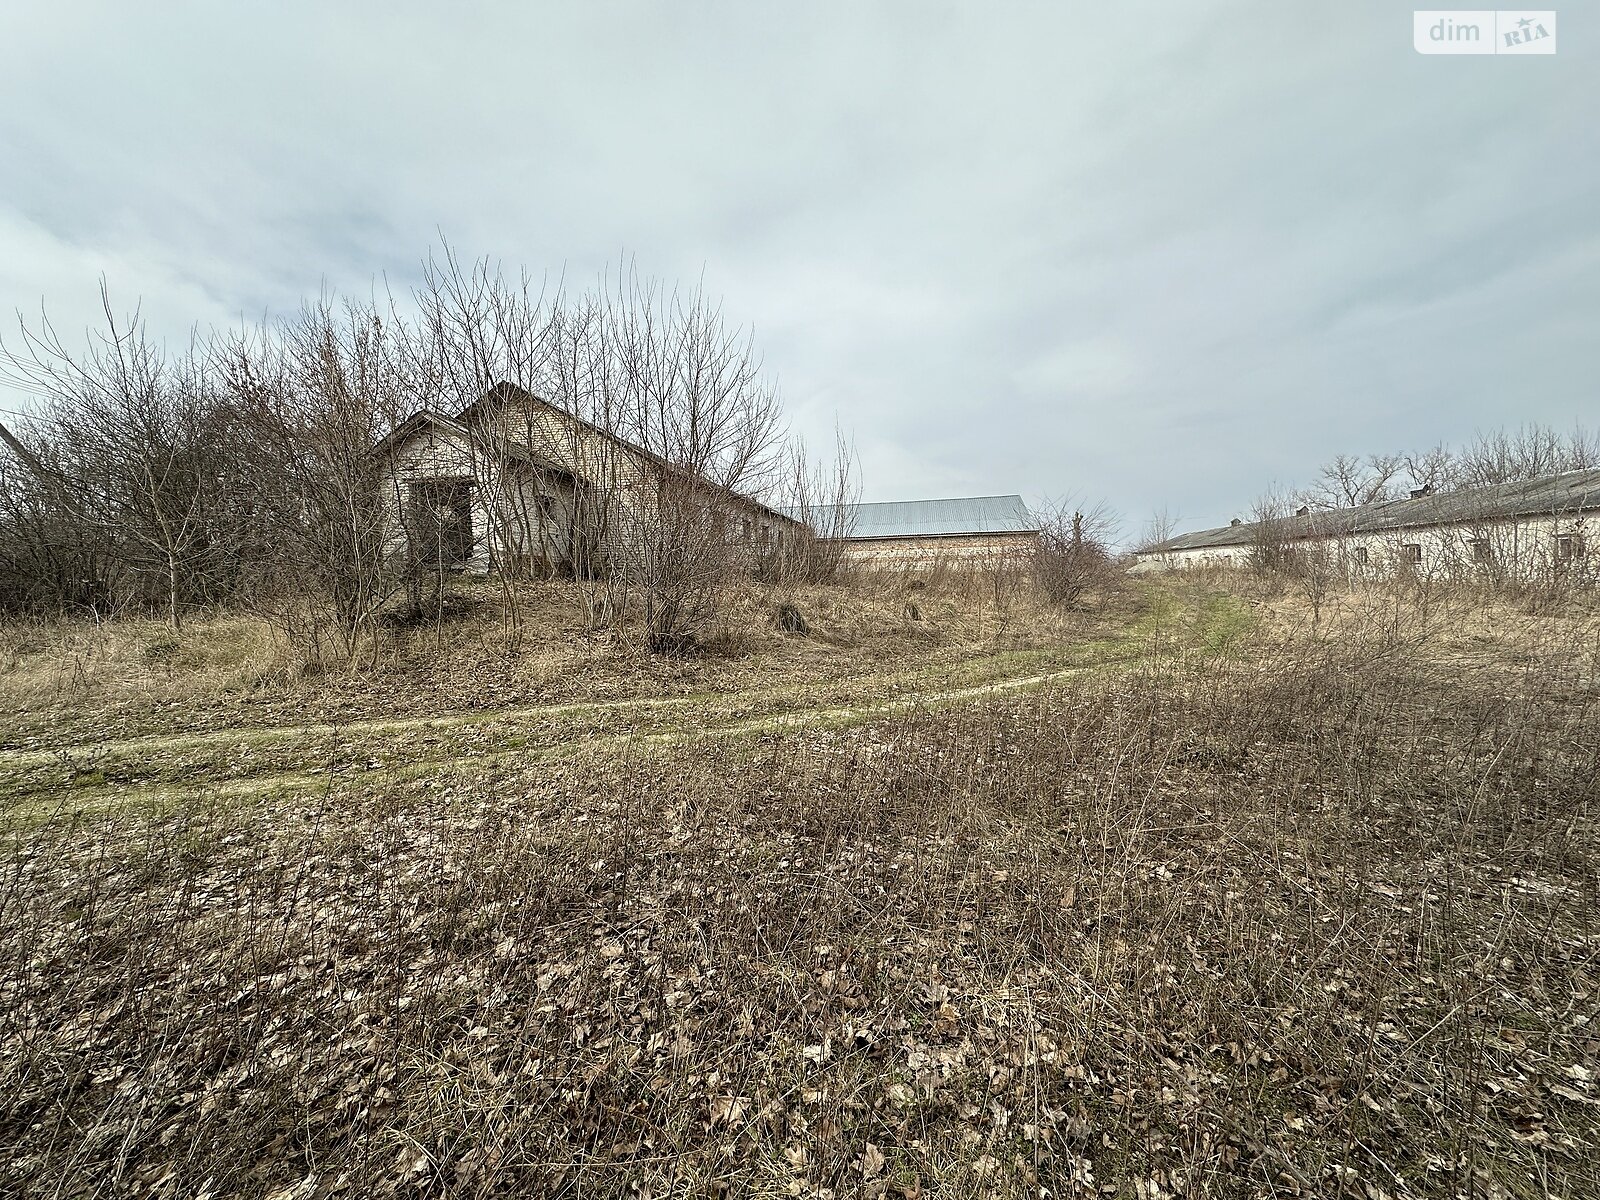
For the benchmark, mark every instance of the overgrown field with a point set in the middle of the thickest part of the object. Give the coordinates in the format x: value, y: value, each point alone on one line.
x: 1277, y: 910
x: 128, y: 678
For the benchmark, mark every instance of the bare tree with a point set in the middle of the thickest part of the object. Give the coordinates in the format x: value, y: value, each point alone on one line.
x: 1435, y: 470
x: 1158, y: 530
x: 312, y: 396
x: 1349, y: 480
x: 134, y: 451
x: 1530, y: 451
x: 1073, y: 554
x: 481, y: 330
x: 687, y: 392
x: 822, y: 496
x: 591, y: 397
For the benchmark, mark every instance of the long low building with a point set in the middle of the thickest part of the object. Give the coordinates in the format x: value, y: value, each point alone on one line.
x: 972, y: 529
x: 1524, y: 529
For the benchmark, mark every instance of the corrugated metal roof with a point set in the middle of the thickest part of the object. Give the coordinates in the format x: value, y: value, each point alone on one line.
x: 1575, y: 491
x: 924, y: 518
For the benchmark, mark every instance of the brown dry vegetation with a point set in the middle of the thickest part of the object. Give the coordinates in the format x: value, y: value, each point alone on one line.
x: 130, y: 677
x: 1280, y: 907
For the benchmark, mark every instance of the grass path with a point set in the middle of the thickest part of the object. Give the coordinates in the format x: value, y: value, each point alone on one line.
x: 108, y: 795
x: 160, y: 770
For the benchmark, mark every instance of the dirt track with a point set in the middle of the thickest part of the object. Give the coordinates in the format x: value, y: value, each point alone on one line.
x: 224, y: 764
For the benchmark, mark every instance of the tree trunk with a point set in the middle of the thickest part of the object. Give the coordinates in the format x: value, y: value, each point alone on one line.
x: 172, y: 594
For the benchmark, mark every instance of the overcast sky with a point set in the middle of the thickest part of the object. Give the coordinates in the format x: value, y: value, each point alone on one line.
x: 1160, y: 254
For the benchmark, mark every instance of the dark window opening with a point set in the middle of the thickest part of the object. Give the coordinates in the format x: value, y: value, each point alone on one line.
x: 441, y: 518
x: 1361, y: 556
x: 1482, y: 551
x: 1411, y: 552
x: 1569, y: 546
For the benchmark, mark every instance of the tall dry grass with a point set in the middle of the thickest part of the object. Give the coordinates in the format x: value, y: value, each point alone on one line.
x: 1317, y: 916
x: 130, y: 675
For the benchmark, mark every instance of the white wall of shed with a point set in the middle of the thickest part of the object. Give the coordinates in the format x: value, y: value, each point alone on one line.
x: 1523, y: 548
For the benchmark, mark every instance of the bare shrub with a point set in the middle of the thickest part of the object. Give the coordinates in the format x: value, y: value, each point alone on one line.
x: 687, y: 391
x: 51, y: 559
x: 311, y: 397
x: 1272, y: 537
x: 822, y: 497
x: 1073, y: 554
x: 131, y: 450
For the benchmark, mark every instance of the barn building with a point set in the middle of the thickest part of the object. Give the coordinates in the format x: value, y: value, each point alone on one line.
x: 518, y: 484
x: 1525, y: 529
x: 971, y: 530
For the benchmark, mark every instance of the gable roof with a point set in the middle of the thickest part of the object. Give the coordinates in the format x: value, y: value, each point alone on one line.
x: 423, y: 416
x: 960, y: 517
x: 1573, y: 491
x: 509, y: 393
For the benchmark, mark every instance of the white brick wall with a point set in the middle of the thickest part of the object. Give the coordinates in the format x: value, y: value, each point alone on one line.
x: 509, y: 523
x: 1524, y: 548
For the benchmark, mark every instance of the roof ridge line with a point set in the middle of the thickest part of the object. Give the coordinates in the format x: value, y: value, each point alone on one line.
x: 944, y: 499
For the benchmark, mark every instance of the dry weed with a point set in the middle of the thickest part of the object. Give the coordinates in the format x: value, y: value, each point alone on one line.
x: 1314, y: 917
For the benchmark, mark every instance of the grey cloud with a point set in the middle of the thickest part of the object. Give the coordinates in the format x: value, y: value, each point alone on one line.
x: 1161, y: 253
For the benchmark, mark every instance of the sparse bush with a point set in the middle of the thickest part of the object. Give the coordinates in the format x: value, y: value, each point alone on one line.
x: 823, y: 499
x: 1073, y: 555
x: 792, y: 620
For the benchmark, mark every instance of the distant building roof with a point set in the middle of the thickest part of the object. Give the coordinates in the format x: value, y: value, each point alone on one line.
x: 1575, y: 491
x: 923, y: 518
